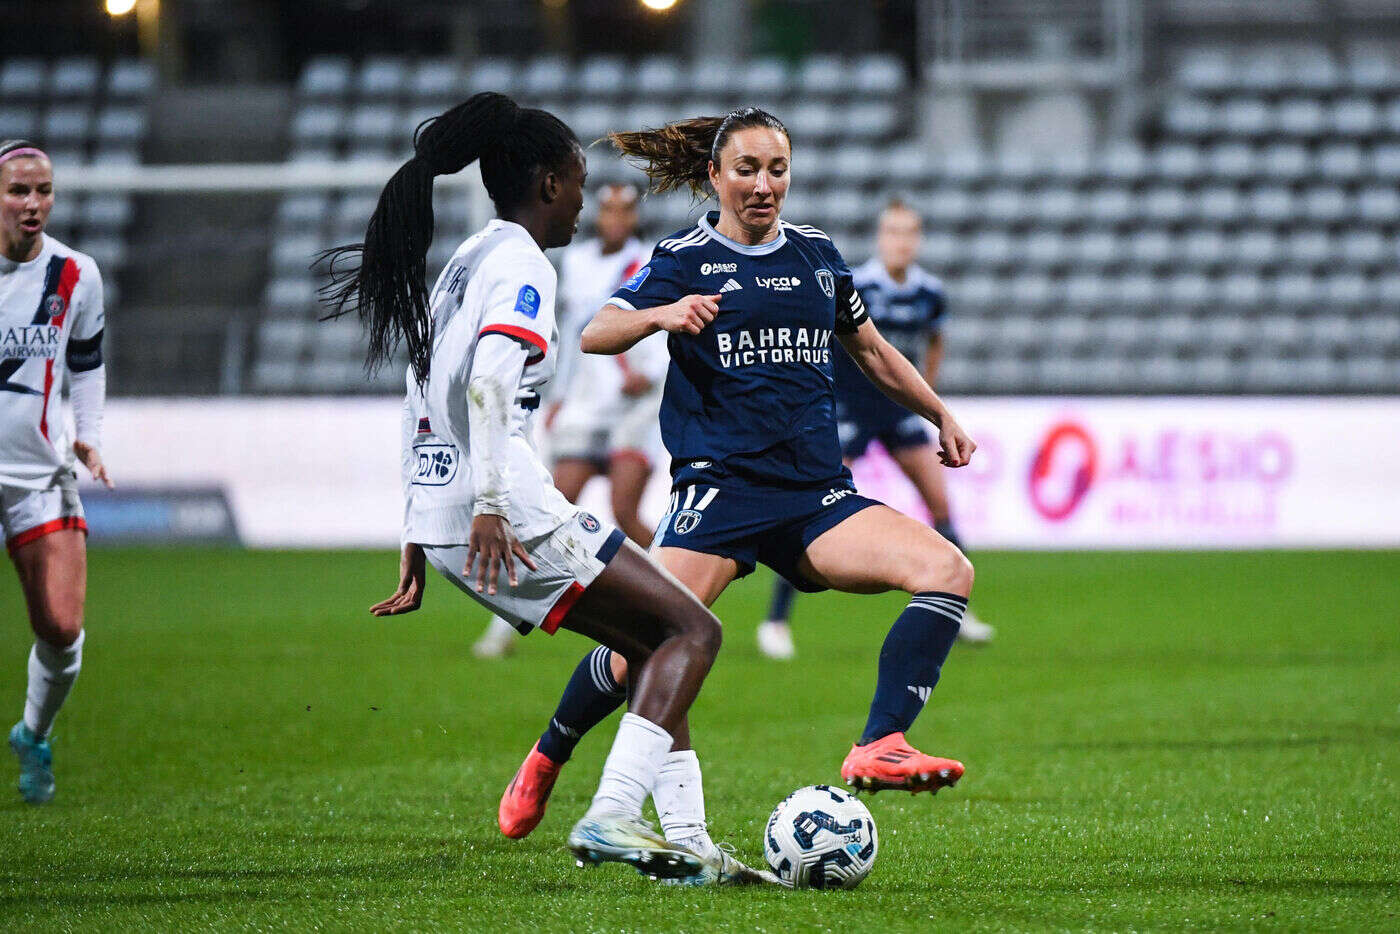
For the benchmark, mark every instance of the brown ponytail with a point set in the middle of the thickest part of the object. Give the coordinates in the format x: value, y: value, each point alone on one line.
x: 678, y: 155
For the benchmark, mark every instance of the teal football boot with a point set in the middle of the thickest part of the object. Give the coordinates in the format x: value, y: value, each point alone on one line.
x: 35, y: 764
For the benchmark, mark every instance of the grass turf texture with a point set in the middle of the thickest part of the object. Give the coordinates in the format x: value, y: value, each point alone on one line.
x: 1154, y: 741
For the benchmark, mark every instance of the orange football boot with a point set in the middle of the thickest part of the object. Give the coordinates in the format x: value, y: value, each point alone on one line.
x: 892, y: 763
x: 522, y: 806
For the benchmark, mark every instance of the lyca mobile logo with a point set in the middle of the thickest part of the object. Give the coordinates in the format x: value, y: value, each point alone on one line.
x: 707, y: 268
x: 778, y: 283
x: 1064, y: 468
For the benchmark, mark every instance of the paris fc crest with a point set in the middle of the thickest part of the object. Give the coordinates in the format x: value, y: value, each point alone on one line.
x: 686, y: 521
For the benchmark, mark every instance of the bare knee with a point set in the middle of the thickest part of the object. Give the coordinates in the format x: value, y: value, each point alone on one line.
x: 942, y: 568
x: 59, y: 629
x: 701, y: 628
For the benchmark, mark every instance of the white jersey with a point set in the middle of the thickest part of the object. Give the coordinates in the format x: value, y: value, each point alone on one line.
x: 51, y: 322
x: 587, y: 280
x: 497, y: 283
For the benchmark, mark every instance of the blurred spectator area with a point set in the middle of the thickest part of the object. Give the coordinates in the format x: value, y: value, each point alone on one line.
x: 1240, y: 234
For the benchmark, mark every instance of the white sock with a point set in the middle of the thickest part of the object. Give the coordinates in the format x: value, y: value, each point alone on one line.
x: 630, y: 773
x: 52, y: 671
x: 680, y: 802
x: 500, y: 629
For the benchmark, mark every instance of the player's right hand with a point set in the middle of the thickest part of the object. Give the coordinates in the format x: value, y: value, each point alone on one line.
x: 492, y: 546
x: 690, y: 315
x: 413, y: 580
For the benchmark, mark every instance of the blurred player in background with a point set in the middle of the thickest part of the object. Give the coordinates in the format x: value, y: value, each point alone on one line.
x: 907, y: 303
x: 478, y: 498
x: 606, y: 419
x: 752, y: 305
x: 51, y: 312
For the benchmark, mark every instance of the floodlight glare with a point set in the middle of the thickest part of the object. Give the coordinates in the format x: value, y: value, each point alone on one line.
x: 658, y: 4
x: 120, y: 7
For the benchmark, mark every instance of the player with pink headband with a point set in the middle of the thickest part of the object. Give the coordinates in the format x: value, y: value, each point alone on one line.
x: 51, y: 323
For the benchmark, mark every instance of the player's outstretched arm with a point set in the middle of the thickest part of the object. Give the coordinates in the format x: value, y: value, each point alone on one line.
x: 615, y: 330
x: 897, y: 378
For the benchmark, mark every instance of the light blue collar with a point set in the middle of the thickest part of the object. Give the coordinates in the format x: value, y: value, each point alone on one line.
x: 762, y: 249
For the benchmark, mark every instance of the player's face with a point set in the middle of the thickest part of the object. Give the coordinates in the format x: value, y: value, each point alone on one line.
x: 897, y: 239
x: 568, y: 201
x: 751, y: 180
x: 27, y: 186
x: 617, y: 220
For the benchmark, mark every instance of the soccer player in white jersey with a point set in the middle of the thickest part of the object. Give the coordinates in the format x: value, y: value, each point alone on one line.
x: 607, y: 419
x: 50, y: 324
x: 479, y: 504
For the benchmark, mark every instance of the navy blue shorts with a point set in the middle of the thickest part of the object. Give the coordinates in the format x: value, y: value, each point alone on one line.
x: 757, y: 524
x: 908, y: 432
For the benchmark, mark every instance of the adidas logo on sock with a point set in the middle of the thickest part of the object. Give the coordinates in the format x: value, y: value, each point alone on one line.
x: 921, y: 693
x: 730, y: 286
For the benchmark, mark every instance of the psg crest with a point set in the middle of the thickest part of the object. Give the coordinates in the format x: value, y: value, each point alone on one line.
x: 54, y: 304
x: 686, y: 521
x: 827, y: 281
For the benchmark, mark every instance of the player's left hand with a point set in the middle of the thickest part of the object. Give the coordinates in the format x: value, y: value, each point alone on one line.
x: 635, y: 384
x: 413, y: 580
x: 957, y: 445
x: 492, y: 546
x: 93, y: 462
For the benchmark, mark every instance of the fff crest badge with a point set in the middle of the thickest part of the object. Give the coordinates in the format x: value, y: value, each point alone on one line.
x: 827, y: 281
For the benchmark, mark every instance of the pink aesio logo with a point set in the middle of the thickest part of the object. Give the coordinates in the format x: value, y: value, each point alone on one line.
x: 1064, y: 468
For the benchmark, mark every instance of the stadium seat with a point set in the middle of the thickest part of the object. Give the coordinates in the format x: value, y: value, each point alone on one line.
x: 1085, y: 290
x: 492, y: 74
x: 18, y: 122
x: 826, y: 75
x: 1030, y: 292
x: 594, y: 121
x: 1263, y: 69
x: 1378, y: 204
x: 1249, y: 117
x: 1301, y: 117
x: 1205, y: 247
x: 941, y: 249
x: 604, y: 77
x: 131, y: 78
x: 1257, y: 248
x: 1364, y: 248
x: 1341, y: 162
x: 869, y: 120
x: 121, y: 125
x: 283, y: 339
x: 1004, y: 204
x: 1390, y: 117
x: 67, y: 125
x: 547, y: 76
x: 1179, y: 162
x: 1098, y: 248
x: 290, y: 297
x: 381, y: 77
x: 1124, y: 162
x: 1327, y: 204
x: 1188, y: 289
x: 1355, y: 117
x: 879, y: 75
x: 1385, y: 161
x: 660, y: 76
x: 990, y: 248
x: 293, y: 255
x: 327, y: 77
x: 374, y: 124
x: 1285, y: 161
x: 1371, y: 69
x: 1164, y: 204
x: 905, y: 163
x: 1205, y: 69
x: 23, y: 78
x: 1296, y: 288
x: 436, y: 80
x: 764, y: 80
x: 1219, y: 204
x: 1242, y: 289
x: 812, y: 120
x: 1110, y: 205
x: 963, y: 166
x: 1233, y: 160
x: 1189, y: 116
x: 1045, y: 249
x: 75, y: 77
x: 1152, y: 247
x: 951, y: 206
x: 107, y: 213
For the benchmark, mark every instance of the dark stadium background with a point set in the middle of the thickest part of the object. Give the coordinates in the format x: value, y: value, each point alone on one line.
x: 1169, y: 233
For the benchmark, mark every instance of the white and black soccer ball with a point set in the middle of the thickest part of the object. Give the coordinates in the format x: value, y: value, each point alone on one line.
x: 820, y: 837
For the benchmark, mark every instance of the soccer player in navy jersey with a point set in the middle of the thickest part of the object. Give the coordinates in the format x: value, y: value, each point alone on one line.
x: 907, y: 303
x: 752, y: 306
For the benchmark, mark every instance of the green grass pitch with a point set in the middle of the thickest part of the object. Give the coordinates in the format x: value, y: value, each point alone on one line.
x: 1155, y: 741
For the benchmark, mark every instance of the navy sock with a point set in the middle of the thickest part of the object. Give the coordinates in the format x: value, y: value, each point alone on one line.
x: 945, y: 528
x: 910, y: 660
x: 781, y: 606
x: 591, y: 694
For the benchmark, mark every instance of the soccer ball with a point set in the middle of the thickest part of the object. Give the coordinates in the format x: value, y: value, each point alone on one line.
x: 821, y: 837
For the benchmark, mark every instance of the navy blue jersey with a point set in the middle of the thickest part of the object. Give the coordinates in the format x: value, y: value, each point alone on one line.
x: 907, y: 313
x: 751, y: 395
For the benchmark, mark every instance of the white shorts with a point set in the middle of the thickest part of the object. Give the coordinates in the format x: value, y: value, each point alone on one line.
x: 29, y: 514
x: 627, y: 426
x: 569, y: 559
